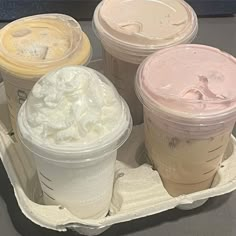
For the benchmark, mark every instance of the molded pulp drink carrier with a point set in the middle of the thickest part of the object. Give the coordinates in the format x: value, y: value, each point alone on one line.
x: 138, y: 190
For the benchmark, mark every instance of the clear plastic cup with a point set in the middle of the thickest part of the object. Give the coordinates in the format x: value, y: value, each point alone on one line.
x: 32, y: 46
x: 189, y: 113
x: 78, y: 176
x: 132, y: 30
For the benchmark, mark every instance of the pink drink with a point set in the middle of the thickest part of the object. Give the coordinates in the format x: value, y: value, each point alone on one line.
x: 189, y: 99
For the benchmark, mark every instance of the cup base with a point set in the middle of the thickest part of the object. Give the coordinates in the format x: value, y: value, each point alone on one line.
x: 177, y: 189
x: 89, y: 231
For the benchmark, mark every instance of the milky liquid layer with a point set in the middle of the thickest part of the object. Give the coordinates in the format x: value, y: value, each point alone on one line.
x: 186, y: 161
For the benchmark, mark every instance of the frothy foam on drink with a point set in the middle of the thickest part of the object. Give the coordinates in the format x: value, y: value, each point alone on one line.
x: 146, y: 22
x: 193, y: 79
x: 72, y: 105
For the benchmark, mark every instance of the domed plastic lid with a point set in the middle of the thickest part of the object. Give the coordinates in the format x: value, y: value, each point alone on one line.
x: 149, y: 24
x: 191, y: 81
x: 74, y: 114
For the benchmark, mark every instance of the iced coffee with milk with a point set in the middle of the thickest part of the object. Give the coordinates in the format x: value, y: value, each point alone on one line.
x: 132, y: 30
x: 189, y: 98
x: 35, y: 45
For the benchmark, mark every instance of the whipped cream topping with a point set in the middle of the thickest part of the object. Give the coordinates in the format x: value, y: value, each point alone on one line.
x: 71, y: 106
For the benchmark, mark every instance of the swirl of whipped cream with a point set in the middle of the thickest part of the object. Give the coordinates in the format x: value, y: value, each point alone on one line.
x: 72, y: 105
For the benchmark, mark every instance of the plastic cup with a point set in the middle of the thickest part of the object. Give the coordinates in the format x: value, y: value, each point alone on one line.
x: 132, y: 30
x: 79, y: 176
x: 189, y: 113
x: 32, y: 46
x: 84, y: 188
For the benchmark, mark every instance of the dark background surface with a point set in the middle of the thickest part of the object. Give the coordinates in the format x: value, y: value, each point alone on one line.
x: 83, y: 9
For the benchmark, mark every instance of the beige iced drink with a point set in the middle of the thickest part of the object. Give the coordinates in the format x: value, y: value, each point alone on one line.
x: 35, y: 45
x: 190, y: 108
x: 132, y: 30
x: 73, y: 122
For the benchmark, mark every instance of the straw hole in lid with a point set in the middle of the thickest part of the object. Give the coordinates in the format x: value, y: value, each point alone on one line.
x: 134, y: 27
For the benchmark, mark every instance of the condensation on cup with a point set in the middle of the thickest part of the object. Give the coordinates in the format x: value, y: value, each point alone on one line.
x: 132, y: 30
x: 189, y: 98
x: 32, y: 46
x: 72, y: 124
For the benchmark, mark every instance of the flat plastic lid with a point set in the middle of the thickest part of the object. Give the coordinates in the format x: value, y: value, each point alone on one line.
x: 189, y: 81
x: 148, y: 23
x: 41, y: 41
